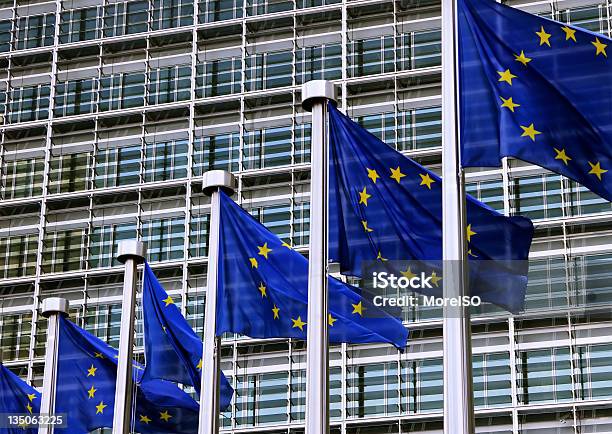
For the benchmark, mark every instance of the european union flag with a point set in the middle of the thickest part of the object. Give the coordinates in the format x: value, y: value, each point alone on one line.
x: 87, y: 372
x: 537, y: 90
x: 263, y: 289
x: 383, y: 205
x: 173, y: 350
x: 17, y: 397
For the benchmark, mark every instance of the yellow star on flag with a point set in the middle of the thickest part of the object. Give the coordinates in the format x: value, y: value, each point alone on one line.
x: 469, y: 232
x: 408, y: 274
x: 530, y: 132
x: 168, y: 300
x: 373, y: 175
x: 298, y: 323
x: 357, y: 308
x: 29, y: 407
x: 600, y: 47
x: 365, y: 226
x: 544, y: 37
x: 426, y: 180
x: 199, y: 365
x: 380, y: 257
x: 32, y: 397
x: 509, y: 104
x: 470, y: 253
x: 264, y: 250
x: 99, y: 355
x: 597, y: 170
x: 145, y: 419
x: 91, y: 392
x: 521, y: 58
x: 506, y: 76
x: 285, y: 244
x: 100, y: 407
x: 397, y: 174
x: 262, y: 289
x: 434, y: 278
x: 165, y: 416
x: 364, y: 196
x: 275, y: 311
x: 23, y: 425
x: 254, y: 263
x: 331, y: 320
x: 91, y: 372
x: 561, y: 155
x: 569, y: 33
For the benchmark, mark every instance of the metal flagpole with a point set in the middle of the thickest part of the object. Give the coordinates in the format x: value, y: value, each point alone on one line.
x: 52, y: 308
x: 213, y: 181
x: 458, y: 393
x: 315, y: 95
x: 131, y: 253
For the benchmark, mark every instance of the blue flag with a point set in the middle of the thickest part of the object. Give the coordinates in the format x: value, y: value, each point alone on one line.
x: 537, y: 90
x: 17, y: 398
x: 263, y: 289
x: 86, y: 377
x: 383, y: 205
x: 173, y: 350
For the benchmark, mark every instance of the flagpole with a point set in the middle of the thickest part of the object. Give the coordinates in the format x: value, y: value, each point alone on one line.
x: 457, y: 350
x: 130, y: 253
x: 213, y: 182
x: 52, y: 308
x: 315, y: 95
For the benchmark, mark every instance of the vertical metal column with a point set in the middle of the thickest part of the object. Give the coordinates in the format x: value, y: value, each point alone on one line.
x: 213, y: 182
x: 458, y: 395
x: 131, y: 253
x: 52, y: 308
x: 315, y: 95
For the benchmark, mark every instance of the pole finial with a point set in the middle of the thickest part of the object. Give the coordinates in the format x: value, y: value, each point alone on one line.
x: 54, y: 305
x: 317, y: 89
x: 218, y: 179
x: 131, y: 249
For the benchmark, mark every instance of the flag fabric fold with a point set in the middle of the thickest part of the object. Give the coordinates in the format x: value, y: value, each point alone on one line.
x: 17, y: 398
x: 537, y: 90
x: 86, y: 378
x: 263, y: 289
x: 384, y: 206
x: 173, y: 350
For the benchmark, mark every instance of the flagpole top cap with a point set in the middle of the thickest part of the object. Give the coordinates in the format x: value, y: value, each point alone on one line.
x: 131, y: 249
x: 315, y: 90
x: 54, y: 305
x: 214, y: 180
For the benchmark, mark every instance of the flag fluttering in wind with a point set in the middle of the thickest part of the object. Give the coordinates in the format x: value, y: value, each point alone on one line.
x: 173, y: 350
x: 384, y: 206
x: 17, y: 398
x: 263, y: 289
x: 537, y: 90
x: 86, y: 377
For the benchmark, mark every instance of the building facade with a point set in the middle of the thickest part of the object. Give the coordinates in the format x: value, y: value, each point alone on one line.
x: 110, y: 111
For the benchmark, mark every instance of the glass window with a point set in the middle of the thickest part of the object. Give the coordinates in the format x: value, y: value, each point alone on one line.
x: 165, y: 161
x: 195, y: 313
x: 164, y: 238
x: 261, y: 399
x: 318, y: 63
x: 216, y: 152
x: 29, y: 103
x: 34, y: 31
x: 583, y: 201
x: 301, y: 143
x: 218, y: 77
x: 104, y: 242
x: 419, y: 128
x: 381, y: 125
x: 593, y: 279
x: 75, y: 97
x: 63, y: 251
x: 69, y: 173
x: 15, y: 336
x: 546, y: 287
x: 104, y: 322
x: 372, y: 390
x: 259, y: 7
x: 544, y: 376
x: 313, y: 3
x: 301, y: 224
x: 297, y: 400
x: 172, y: 13
x: 593, y: 371
x: 22, y: 178
x: 169, y: 84
x: 421, y: 49
x: 117, y: 166
x: 79, y: 25
x: 269, y: 70
x: 422, y: 385
x: 276, y: 219
x: 370, y: 56
x: 592, y: 18
x: 538, y: 196
x: 198, y: 235
x: 5, y: 36
x: 119, y: 91
x: 267, y: 147
x: 18, y: 256
x: 125, y: 18
x: 492, y: 383
x: 219, y: 10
